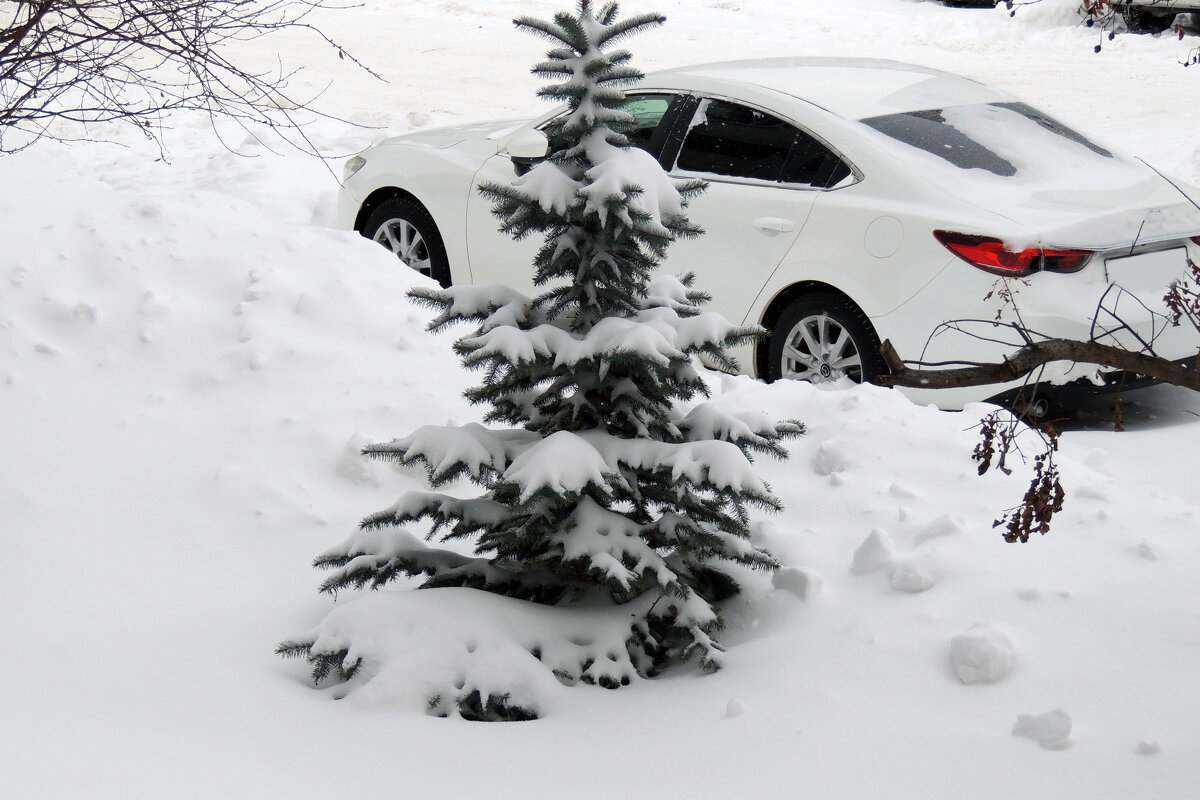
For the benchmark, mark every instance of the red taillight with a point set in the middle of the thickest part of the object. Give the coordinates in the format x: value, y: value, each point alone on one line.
x: 1065, y: 260
x: 993, y: 255
x: 988, y: 254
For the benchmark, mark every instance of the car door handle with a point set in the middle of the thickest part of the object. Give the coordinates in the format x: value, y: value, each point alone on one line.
x: 773, y: 225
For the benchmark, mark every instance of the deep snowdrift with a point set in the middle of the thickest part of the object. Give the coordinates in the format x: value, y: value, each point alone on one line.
x: 191, y: 360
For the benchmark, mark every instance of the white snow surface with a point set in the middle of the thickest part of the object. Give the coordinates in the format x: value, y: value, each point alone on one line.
x: 188, y: 351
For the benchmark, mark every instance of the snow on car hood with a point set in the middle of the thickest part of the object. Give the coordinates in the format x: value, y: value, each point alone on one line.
x: 441, y: 138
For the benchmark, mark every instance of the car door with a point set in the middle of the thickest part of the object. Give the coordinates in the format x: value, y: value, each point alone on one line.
x: 496, y: 258
x: 763, y: 174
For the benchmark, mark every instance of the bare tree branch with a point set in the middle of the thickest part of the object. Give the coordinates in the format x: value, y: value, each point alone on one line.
x: 1183, y: 305
x: 135, y: 61
x: 1028, y: 359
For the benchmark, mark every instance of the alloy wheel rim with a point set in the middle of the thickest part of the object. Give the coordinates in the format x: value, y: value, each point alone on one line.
x: 819, y: 349
x: 405, y: 241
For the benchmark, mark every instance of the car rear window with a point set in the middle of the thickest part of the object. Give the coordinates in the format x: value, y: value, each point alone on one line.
x: 1004, y: 139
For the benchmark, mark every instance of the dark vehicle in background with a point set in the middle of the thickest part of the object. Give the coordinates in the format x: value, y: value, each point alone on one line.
x: 1155, y: 16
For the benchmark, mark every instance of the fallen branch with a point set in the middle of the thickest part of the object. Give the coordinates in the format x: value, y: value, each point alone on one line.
x: 1028, y: 359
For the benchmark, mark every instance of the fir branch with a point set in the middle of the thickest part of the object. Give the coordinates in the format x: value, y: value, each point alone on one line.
x: 616, y: 31
x: 546, y: 30
x: 574, y: 33
x: 607, y: 14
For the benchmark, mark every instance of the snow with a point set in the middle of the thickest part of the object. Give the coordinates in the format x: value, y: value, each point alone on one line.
x: 804, y: 583
x: 660, y: 332
x: 485, y: 642
x: 876, y: 551
x: 553, y: 188
x: 562, y: 462
x: 984, y: 654
x: 616, y: 172
x: 1051, y: 730
x: 190, y: 359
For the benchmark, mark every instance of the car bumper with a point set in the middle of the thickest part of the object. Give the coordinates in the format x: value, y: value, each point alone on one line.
x: 348, y: 204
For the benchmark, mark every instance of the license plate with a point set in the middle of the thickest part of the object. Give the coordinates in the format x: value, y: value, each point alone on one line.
x: 1148, y: 273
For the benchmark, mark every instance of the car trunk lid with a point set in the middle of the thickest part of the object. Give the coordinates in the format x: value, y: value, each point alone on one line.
x: 1061, y: 188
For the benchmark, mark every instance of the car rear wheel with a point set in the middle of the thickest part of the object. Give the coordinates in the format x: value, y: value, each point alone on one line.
x: 404, y: 227
x: 822, y: 337
x: 1138, y: 20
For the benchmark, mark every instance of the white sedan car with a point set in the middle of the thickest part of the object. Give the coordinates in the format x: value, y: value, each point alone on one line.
x: 850, y: 201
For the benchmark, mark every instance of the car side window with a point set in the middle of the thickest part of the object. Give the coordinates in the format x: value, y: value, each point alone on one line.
x: 811, y: 163
x: 734, y: 140
x: 737, y: 141
x: 647, y: 111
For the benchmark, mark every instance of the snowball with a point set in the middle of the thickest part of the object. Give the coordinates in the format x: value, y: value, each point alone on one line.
x: 911, y: 578
x: 830, y: 458
x: 804, y: 583
x: 1051, y: 730
x: 1098, y: 459
x: 876, y: 551
x: 352, y: 465
x: 852, y: 401
x: 982, y: 655
x: 902, y: 492
x: 945, y: 525
x: 1147, y: 748
x: 734, y: 708
x: 85, y: 312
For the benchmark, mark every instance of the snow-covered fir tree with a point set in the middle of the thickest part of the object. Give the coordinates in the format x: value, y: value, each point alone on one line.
x: 606, y: 480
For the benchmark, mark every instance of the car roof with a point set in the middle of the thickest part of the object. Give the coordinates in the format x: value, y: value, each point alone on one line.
x: 852, y: 88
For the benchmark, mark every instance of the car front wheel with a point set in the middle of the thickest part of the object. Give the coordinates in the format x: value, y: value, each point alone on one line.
x: 406, y: 228
x: 822, y: 337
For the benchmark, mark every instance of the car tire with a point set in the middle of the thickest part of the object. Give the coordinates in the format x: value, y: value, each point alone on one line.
x: 405, y: 228
x: 1138, y: 20
x: 807, y: 342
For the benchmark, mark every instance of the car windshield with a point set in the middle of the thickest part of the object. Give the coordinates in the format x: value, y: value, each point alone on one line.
x: 1008, y: 140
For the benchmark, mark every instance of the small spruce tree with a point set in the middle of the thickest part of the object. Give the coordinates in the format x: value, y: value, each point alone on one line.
x: 602, y: 481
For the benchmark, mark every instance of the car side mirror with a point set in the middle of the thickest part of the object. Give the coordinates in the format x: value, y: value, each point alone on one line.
x: 527, y: 147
